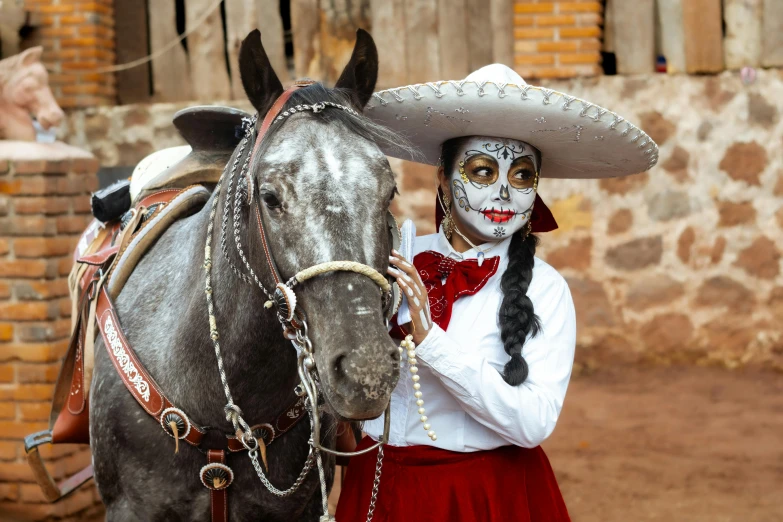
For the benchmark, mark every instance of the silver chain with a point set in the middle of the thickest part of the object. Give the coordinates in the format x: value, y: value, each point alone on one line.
x: 269, y: 486
x: 227, y: 205
x: 224, y: 223
x: 316, y: 108
x: 237, y: 239
x: 375, y: 484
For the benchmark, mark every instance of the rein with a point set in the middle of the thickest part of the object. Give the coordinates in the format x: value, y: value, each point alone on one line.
x: 283, y: 298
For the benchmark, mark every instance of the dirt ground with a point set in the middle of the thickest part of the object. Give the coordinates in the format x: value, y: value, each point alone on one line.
x: 671, y: 444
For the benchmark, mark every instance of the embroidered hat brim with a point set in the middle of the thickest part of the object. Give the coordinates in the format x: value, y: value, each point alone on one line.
x: 577, y: 139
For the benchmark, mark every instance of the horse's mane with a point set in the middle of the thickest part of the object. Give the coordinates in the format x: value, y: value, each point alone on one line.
x: 360, y: 124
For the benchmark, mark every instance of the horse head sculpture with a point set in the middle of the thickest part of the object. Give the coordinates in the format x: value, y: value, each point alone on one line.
x: 24, y: 90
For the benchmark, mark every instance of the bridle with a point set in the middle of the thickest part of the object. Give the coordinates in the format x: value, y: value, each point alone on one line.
x: 283, y: 297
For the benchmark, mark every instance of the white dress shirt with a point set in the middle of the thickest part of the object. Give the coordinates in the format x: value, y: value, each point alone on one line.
x: 468, y: 403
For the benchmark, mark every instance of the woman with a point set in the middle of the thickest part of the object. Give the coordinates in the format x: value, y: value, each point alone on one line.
x: 494, y: 326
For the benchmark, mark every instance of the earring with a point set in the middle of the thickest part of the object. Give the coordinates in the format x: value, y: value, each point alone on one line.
x: 448, y: 220
x: 462, y: 172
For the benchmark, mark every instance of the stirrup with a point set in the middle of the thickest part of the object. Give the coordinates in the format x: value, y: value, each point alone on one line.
x: 51, y: 490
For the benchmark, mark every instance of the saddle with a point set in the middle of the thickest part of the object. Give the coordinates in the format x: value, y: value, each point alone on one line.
x: 169, y: 187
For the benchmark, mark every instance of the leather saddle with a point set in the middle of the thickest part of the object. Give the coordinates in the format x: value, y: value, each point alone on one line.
x: 212, y: 134
x: 167, y: 186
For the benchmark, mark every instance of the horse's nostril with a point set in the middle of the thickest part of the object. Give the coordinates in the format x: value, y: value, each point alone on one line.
x: 339, y: 371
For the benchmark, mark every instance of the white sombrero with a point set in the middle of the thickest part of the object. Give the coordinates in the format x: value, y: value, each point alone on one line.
x: 577, y: 139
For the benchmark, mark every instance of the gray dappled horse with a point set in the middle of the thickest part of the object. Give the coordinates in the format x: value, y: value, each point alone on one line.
x: 323, y: 188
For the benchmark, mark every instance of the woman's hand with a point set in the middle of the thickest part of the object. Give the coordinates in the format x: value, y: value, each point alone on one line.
x: 408, y: 278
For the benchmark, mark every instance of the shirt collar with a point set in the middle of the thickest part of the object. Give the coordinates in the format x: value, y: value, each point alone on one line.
x: 444, y: 247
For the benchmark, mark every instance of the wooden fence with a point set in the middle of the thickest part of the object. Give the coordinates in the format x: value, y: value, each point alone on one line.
x: 694, y: 36
x: 426, y: 40
x: 418, y: 40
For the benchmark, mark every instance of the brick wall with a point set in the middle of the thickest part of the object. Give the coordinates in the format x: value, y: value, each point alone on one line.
x: 44, y: 205
x: 557, y: 39
x: 78, y: 40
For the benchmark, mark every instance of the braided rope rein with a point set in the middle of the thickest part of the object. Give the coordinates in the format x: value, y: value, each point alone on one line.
x: 343, y: 266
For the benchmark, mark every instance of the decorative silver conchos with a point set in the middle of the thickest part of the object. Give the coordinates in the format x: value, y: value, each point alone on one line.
x: 285, y: 299
x: 216, y: 476
x: 177, y: 417
x: 265, y: 432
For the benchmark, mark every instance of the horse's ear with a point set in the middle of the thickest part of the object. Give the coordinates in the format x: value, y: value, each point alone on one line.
x: 30, y: 56
x: 261, y: 84
x: 361, y: 73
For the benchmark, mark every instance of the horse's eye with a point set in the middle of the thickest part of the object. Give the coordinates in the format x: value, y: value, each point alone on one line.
x: 270, y: 200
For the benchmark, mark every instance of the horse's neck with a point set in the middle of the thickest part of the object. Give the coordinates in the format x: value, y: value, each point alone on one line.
x: 15, y: 121
x: 260, y: 365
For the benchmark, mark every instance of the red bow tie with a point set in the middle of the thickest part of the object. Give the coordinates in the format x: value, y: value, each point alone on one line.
x: 446, y: 280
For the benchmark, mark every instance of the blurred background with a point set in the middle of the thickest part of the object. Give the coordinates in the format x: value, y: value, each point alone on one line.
x: 674, y: 411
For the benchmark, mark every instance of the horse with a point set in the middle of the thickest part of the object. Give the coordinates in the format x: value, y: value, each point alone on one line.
x: 24, y: 90
x: 320, y: 188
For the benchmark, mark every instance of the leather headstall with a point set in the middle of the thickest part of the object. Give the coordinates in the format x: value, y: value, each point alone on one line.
x: 299, y: 316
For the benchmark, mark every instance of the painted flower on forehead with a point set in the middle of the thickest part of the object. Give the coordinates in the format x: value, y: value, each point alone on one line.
x: 493, y: 185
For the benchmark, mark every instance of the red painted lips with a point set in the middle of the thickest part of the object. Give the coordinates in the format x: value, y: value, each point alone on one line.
x: 498, y: 216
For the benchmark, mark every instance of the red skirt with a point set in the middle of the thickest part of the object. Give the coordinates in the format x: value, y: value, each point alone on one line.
x: 425, y: 483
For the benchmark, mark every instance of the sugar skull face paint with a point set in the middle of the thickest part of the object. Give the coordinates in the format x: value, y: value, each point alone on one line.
x: 493, y: 185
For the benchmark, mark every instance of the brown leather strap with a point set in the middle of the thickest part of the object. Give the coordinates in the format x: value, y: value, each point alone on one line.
x: 149, y: 395
x: 132, y: 372
x: 77, y: 398
x: 161, y: 196
x: 272, y: 113
x: 99, y: 258
x: 218, y: 497
x: 267, y: 253
x: 268, y: 119
x: 271, y: 432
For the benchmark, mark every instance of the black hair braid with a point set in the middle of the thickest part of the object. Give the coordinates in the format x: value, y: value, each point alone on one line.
x: 517, y: 318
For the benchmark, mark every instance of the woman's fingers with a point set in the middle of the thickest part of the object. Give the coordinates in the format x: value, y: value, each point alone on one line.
x: 406, y: 285
x: 415, y: 289
x: 397, y: 260
x: 420, y: 316
x: 410, y: 283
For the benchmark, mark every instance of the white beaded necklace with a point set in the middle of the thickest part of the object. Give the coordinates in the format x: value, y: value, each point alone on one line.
x: 408, y: 344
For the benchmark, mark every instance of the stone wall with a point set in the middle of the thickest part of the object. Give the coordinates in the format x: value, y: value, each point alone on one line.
x: 680, y: 264
x: 44, y: 206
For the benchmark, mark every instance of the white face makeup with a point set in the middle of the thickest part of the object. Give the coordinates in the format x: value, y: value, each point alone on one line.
x: 493, y: 185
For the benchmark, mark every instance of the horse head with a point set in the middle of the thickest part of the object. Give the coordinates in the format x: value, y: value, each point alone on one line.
x: 24, y: 83
x: 321, y: 190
